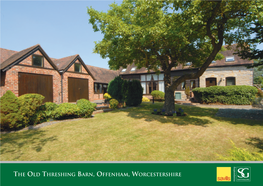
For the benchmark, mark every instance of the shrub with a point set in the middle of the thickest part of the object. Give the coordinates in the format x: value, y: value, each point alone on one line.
x: 145, y: 99
x: 114, y: 103
x: 49, y: 108
x: 135, y: 92
x: 107, y: 96
x: 259, y: 93
x: 237, y: 95
x: 187, y: 91
x: 125, y: 88
x: 115, y: 88
x: 239, y: 154
x: 86, y: 108
x: 65, y: 111
x: 258, y: 102
x: 39, y: 117
x: 9, y: 112
x: 29, y: 104
x: 157, y: 94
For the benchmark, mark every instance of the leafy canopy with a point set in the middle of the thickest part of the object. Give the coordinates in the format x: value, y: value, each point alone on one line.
x: 151, y: 33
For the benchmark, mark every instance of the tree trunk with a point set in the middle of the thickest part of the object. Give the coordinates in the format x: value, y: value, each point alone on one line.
x: 169, y: 101
x: 169, y: 93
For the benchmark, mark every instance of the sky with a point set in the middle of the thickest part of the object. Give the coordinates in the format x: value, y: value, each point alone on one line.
x: 61, y: 27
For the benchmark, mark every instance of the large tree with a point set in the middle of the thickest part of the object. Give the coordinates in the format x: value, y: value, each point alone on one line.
x: 252, y: 32
x: 166, y: 34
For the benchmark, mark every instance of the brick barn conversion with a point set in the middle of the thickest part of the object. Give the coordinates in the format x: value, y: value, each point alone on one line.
x: 59, y: 80
x: 69, y: 79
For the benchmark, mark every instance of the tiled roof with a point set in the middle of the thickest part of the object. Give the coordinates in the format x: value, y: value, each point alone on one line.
x: 5, y: 54
x: 102, y: 75
x: 62, y: 63
x: 222, y: 62
x: 10, y: 56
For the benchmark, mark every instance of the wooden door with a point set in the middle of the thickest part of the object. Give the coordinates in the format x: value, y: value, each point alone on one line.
x: 210, y: 82
x: 36, y: 83
x: 77, y: 89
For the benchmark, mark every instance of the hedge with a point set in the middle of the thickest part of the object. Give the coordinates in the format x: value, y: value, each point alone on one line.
x: 229, y: 95
x: 86, y: 108
x: 66, y: 111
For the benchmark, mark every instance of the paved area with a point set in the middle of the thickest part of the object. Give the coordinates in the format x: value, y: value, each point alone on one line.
x: 233, y: 111
x: 221, y: 106
x: 241, y: 113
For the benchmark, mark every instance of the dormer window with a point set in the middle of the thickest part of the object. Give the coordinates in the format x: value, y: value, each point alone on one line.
x: 188, y: 63
x: 230, y: 58
x: 133, y: 69
x: 124, y: 70
x: 38, y: 61
x: 213, y: 61
x: 77, y: 67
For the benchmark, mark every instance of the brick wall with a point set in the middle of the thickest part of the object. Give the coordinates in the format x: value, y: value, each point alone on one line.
x: 11, y: 80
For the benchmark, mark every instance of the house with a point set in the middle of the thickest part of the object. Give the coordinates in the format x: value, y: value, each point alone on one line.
x: 231, y: 70
x: 69, y: 79
x: 33, y: 71
x: 103, y: 77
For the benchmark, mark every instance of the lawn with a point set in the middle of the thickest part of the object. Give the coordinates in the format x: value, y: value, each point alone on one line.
x: 134, y: 134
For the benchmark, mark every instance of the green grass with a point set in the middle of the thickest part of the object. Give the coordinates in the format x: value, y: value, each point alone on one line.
x: 135, y: 134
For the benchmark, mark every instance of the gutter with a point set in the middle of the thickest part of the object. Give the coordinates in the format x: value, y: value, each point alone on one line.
x: 61, y: 83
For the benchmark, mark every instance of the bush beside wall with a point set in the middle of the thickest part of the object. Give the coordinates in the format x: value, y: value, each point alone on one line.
x: 29, y: 104
x: 229, y: 95
x: 86, y: 108
x: 9, y: 112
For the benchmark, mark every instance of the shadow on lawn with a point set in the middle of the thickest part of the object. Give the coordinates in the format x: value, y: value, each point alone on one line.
x: 195, y: 115
x: 256, y: 142
x: 13, y: 142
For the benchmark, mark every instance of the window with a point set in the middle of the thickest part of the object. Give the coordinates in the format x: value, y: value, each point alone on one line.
x: 161, y: 86
x: 77, y: 67
x: 105, y: 87
x: 161, y: 76
x: 142, y: 77
x: 150, y: 82
x: 192, y: 84
x: 230, y: 81
x: 144, y: 87
x: 123, y: 70
x: 95, y: 87
x: 230, y: 58
x: 100, y: 88
x: 213, y: 61
x: 37, y: 61
x: 133, y: 69
x: 183, y: 85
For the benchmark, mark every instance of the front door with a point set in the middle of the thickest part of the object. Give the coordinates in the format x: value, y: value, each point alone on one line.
x: 77, y: 89
x: 210, y: 82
